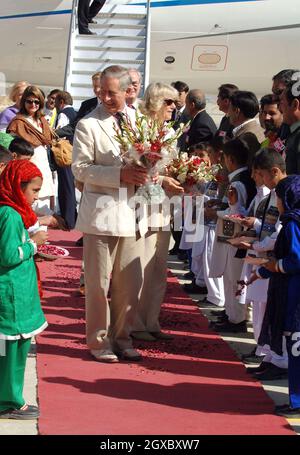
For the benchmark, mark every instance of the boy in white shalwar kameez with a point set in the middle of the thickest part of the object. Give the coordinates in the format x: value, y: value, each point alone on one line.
x: 256, y: 293
x: 202, y: 251
x: 225, y: 260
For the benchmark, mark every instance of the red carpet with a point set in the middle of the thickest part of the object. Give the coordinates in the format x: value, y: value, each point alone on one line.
x: 193, y: 385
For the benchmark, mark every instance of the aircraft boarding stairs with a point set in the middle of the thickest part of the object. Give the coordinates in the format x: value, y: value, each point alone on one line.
x: 123, y: 38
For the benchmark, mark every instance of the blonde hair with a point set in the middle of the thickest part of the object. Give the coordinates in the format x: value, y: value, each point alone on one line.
x: 15, y: 88
x: 154, y: 97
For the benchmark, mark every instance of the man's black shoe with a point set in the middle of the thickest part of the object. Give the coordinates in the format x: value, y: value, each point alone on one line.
x: 181, y: 255
x: 262, y: 367
x: 218, y: 313
x: 271, y: 373
x: 280, y: 407
x: 244, y: 356
x: 205, y: 304
x: 189, y: 276
x: 91, y: 21
x: 253, y: 359
x: 86, y: 32
x: 289, y: 413
x: 173, y: 251
x: 221, y: 319
x: 193, y: 288
x: 230, y: 327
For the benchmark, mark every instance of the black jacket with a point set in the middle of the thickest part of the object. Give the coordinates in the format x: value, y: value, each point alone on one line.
x: 184, y: 118
x: 225, y: 129
x: 293, y: 153
x: 202, y: 129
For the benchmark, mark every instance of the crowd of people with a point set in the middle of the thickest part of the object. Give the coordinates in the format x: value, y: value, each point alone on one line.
x: 247, y: 258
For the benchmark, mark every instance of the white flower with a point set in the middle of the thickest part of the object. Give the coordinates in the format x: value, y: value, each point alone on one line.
x: 182, y: 177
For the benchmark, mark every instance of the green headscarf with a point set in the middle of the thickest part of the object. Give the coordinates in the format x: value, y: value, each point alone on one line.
x: 5, y: 139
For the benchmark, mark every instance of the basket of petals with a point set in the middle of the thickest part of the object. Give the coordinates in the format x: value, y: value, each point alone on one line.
x: 52, y: 252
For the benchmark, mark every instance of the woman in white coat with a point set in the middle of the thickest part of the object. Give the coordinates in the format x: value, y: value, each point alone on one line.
x: 159, y: 104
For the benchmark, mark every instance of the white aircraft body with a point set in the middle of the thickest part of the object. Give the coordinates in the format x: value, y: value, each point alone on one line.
x: 202, y: 42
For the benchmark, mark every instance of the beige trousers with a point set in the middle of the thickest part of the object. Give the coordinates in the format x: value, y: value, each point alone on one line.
x: 155, y: 247
x: 108, y: 326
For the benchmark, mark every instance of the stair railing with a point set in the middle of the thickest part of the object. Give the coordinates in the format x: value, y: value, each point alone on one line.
x: 71, y: 43
x: 147, y: 47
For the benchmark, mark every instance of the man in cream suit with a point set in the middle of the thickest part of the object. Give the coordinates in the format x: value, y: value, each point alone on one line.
x: 108, y: 222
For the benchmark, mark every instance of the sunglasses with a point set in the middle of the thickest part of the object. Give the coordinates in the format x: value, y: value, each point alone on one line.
x: 169, y: 102
x: 32, y: 102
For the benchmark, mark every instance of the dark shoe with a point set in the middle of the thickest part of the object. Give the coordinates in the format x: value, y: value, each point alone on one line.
x: 91, y: 21
x: 143, y: 336
x: 181, y: 255
x: 289, y: 413
x: 27, y: 412
x: 188, y: 276
x: 218, y: 313
x: 253, y: 359
x: 162, y: 336
x: 279, y: 407
x: 193, y: 288
x: 271, y: 373
x: 245, y: 356
x: 173, y: 251
x: 86, y: 32
x: 230, y: 327
x: 79, y: 242
x: 262, y: 367
x: 205, y: 304
x: 129, y: 354
x: 220, y: 319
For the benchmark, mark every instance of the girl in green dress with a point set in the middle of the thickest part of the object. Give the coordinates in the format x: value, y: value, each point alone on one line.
x: 21, y: 316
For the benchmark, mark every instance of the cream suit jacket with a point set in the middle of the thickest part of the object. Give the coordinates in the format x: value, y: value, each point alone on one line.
x: 104, y: 208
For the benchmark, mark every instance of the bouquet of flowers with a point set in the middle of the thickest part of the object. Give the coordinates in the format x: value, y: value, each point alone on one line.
x: 192, y: 172
x: 151, y: 144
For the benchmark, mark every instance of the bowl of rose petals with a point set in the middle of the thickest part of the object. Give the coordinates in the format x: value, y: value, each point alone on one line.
x: 52, y: 252
x: 237, y: 218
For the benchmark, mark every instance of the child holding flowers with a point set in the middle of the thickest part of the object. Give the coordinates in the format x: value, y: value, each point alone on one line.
x: 282, y: 317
